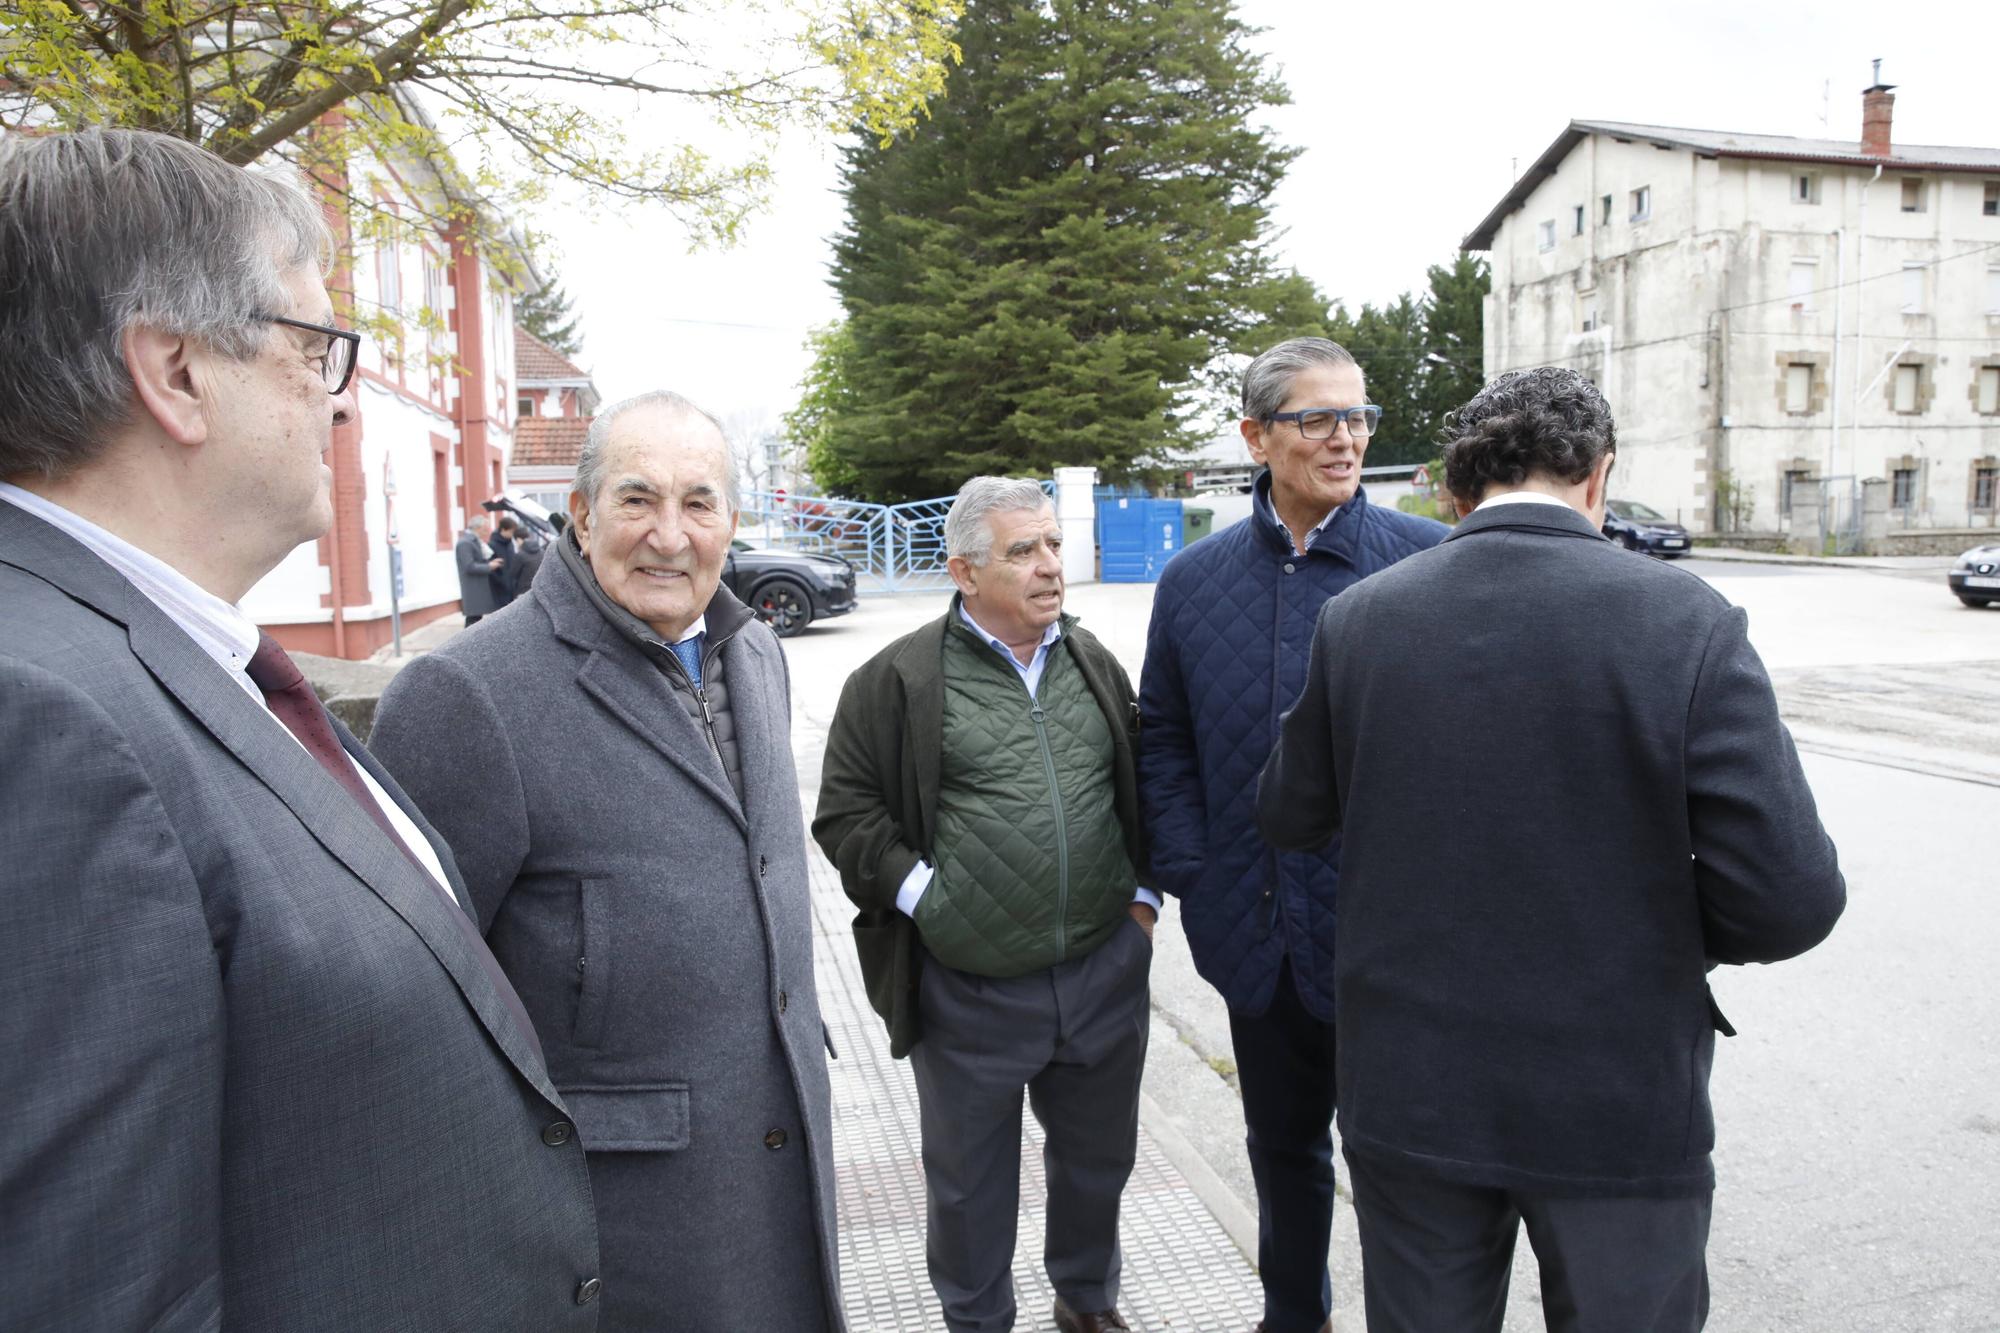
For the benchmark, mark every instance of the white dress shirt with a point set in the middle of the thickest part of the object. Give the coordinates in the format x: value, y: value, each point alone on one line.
x: 922, y: 873
x: 1521, y: 498
x: 219, y: 629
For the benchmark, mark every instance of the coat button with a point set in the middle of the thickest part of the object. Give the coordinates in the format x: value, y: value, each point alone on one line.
x: 775, y: 1140
x: 1289, y: 566
x: 783, y: 1000
x: 557, y: 1132
x: 586, y: 1290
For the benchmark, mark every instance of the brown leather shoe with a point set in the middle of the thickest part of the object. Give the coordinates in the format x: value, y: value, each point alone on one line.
x: 1096, y: 1321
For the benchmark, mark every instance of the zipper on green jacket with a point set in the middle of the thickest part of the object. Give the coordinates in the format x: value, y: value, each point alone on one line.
x: 1040, y: 719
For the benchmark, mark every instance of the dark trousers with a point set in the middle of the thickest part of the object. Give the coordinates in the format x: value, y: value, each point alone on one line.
x: 1074, y: 1035
x: 1436, y: 1255
x: 1284, y: 1065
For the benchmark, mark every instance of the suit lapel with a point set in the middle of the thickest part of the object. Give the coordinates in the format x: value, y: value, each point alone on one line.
x: 260, y: 742
x: 347, y: 832
x: 635, y: 692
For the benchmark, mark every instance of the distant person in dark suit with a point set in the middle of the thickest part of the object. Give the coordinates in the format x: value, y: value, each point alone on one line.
x: 1564, y: 795
x: 476, y: 567
x: 507, y: 573
x: 261, y: 1070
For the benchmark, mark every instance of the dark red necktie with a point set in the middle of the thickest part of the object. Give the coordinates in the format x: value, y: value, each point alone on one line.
x: 292, y: 702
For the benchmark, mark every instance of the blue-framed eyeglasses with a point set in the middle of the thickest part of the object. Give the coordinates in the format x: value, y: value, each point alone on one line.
x: 1319, y: 423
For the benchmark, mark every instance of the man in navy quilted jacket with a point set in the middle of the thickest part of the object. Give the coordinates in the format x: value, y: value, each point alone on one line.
x: 1225, y: 658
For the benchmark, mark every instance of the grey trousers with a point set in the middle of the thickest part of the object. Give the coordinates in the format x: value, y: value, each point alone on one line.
x: 1074, y: 1036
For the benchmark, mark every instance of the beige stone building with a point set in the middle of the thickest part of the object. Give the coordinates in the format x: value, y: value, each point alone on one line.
x: 1767, y: 314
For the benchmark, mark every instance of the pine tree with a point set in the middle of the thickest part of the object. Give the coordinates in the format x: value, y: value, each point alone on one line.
x: 1039, y: 274
x: 1421, y: 357
x: 546, y: 312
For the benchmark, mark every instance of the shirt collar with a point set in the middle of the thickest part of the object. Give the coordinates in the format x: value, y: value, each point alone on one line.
x: 219, y: 629
x: 1049, y: 635
x: 1520, y: 498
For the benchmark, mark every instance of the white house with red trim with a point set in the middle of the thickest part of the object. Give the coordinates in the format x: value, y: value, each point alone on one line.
x: 554, y: 401
x: 431, y: 439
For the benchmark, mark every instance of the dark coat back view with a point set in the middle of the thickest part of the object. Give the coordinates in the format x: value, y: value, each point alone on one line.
x: 1563, y: 790
x: 659, y: 932
x: 475, y: 583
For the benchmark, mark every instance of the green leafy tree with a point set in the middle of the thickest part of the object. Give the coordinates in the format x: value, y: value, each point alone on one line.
x: 1046, y: 271
x: 478, y: 105
x: 1422, y: 358
x: 824, y: 396
x: 549, y: 314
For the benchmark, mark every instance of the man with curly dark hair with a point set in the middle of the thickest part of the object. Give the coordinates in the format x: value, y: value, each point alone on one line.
x: 1556, y: 819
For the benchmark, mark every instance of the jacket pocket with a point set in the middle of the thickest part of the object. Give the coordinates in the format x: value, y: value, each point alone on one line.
x: 593, y: 962
x: 1715, y: 1017
x: 638, y: 1117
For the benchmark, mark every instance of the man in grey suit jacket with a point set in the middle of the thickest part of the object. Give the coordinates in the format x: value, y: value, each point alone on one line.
x: 477, y: 566
x: 264, y: 1073
x: 1564, y: 794
x: 611, y: 761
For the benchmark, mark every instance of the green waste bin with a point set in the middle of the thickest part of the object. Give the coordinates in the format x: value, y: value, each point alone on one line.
x: 1195, y: 524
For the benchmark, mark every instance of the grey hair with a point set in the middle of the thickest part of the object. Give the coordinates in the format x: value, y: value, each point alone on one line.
x: 102, y: 229
x: 966, y: 531
x: 1268, y: 379
x: 590, y: 465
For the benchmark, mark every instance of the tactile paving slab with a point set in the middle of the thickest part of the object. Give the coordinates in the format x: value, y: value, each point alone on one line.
x: 1182, y: 1272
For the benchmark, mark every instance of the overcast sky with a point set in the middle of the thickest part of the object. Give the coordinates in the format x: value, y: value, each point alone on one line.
x: 1413, y: 122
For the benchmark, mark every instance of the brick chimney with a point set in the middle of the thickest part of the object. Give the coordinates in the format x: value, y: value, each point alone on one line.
x: 1878, y: 104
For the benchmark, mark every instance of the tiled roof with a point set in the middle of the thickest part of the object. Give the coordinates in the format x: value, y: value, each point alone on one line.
x: 535, y: 361
x: 549, y: 441
x: 1728, y: 143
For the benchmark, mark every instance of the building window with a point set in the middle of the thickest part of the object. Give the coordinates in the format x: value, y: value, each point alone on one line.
x: 1604, y: 214
x: 441, y: 489
x: 1993, y: 291
x: 1798, y: 387
x: 389, y: 274
x: 1913, y: 288
x: 1545, y: 235
x: 1985, y: 483
x: 1991, y: 206
x: 1642, y: 203
x: 1987, y: 400
x: 524, y: 406
x: 1576, y: 221
x: 1908, y: 380
x: 1913, y: 194
x: 1800, y: 282
x: 1792, y: 479
x: 1805, y: 188
x: 1903, y: 488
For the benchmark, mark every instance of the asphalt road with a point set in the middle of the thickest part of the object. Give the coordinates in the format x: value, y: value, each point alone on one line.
x: 1859, y: 1110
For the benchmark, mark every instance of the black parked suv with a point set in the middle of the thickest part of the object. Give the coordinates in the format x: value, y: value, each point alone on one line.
x: 1642, y: 528
x: 788, y: 589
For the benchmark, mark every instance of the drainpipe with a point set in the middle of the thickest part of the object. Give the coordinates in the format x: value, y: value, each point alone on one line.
x: 1860, y: 282
x: 1839, y: 313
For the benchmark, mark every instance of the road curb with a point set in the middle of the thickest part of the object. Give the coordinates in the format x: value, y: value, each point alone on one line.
x: 1236, y: 1220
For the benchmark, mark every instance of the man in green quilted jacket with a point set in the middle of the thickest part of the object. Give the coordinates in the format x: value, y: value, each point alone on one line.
x: 979, y: 800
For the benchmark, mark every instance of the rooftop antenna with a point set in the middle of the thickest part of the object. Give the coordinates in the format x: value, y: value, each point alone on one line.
x: 1826, y: 105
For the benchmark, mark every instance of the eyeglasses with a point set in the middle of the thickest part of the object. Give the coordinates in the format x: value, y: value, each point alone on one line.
x: 1319, y: 423
x: 343, y: 349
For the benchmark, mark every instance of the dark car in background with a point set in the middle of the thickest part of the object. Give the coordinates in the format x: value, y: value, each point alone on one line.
x: 1640, y: 527
x: 1975, y: 578
x: 788, y: 589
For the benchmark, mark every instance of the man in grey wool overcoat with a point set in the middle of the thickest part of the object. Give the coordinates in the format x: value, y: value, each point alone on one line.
x: 610, y: 759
